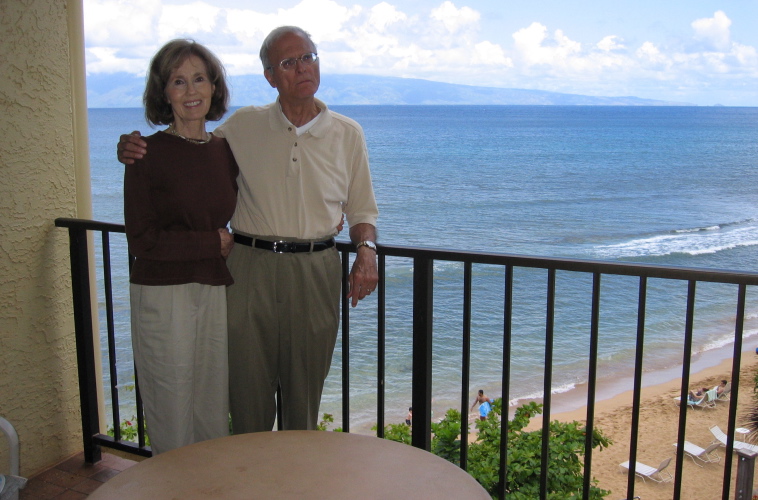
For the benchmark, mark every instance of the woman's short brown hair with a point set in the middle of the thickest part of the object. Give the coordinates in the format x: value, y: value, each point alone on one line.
x: 158, y: 110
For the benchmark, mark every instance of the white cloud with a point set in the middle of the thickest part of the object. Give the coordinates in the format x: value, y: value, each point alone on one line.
x: 714, y: 30
x: 454, y: 19
x: 384, y: 15
x: 193, y: 19
x: 120, y: 22
x: 535, y: 47
x: 610, y: 43
x: 444, y: 43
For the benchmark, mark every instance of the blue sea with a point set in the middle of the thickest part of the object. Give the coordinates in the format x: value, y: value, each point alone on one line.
x: 657, y: 185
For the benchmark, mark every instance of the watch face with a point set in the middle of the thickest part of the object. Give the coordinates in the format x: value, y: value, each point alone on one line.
x: 369, y: 244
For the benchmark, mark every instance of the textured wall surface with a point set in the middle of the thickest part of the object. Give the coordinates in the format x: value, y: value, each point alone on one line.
x: 38, y: 379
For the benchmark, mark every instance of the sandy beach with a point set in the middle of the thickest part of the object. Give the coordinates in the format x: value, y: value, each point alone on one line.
x: 659, y: 417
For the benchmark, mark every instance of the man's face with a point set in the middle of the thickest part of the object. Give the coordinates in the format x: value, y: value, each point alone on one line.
x: 302, y: 81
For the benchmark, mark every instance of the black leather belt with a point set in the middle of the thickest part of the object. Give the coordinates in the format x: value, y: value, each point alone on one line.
x: 283, y: 246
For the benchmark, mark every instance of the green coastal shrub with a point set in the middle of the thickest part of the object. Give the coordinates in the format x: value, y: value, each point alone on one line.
x: 128, y: 430
x: 565, y: 480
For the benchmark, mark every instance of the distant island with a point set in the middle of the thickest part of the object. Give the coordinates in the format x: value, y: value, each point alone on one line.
x: 123, y: 90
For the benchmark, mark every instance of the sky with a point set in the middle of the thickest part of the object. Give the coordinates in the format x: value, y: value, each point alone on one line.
x: 703, y: 52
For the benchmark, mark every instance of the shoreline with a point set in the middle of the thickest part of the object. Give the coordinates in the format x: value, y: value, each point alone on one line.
x: 612, y: 393
x: 572, y: 408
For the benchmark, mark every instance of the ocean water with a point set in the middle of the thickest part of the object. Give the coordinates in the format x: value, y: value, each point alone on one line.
x: 656, y: 185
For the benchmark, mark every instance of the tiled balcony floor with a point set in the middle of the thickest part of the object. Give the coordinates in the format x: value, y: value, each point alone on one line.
x: 72, y: 479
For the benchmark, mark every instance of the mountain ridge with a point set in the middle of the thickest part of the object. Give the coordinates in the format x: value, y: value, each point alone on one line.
x: 123, y: 90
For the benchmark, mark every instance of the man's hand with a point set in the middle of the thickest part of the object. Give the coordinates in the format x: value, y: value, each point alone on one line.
x: 227, y: 242
x: 364, y: 275
x: 131, y: 147
x: 341, y: 225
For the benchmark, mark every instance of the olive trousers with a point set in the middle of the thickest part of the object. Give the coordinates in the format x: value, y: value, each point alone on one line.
x: 283, y: 313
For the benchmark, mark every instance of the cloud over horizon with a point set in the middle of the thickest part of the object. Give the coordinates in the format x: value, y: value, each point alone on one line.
x: 446, y: 43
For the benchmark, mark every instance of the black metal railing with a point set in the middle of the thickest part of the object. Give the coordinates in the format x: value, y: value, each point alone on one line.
x: 423, y: 260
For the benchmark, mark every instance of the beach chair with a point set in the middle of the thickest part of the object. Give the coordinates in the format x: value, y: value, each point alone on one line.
x: 711, y: 397
x: 706, y: 455
x: 723, y: 439
x: 700, y: 403
x: 659, y: 475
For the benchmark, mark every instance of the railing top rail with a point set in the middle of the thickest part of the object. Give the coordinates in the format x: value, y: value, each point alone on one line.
x: 570, y: 264
x: 91, y: 225
x: 516, y: 260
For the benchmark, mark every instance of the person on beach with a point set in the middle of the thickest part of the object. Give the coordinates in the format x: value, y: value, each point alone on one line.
x: 722, y: 387
x: 409, y: 417
x: 485, y: 405
x: 178, y: 200
x: 301, y: 167
x: 695, y: 396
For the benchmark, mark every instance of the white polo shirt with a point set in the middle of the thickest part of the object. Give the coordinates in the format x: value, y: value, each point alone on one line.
x: 294, y: 186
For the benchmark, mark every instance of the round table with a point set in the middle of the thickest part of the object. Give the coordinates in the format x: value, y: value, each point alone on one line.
x: 293, y: 465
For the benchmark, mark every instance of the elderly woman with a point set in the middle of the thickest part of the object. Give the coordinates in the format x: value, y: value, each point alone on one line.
x: 178, y: 200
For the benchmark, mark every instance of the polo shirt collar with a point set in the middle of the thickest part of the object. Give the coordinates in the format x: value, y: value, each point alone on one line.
x: 278, y: 121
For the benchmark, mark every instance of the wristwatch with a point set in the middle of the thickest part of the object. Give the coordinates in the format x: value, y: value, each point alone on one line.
x: 369, y: 244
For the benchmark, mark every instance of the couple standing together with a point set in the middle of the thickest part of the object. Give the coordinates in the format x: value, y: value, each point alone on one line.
x: 284, y: 173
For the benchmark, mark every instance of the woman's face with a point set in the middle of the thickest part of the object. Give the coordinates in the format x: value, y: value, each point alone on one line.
x: 189, y: 91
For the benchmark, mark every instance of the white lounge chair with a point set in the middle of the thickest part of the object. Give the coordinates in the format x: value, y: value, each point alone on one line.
x: 706, y: 455
x: 711, y: 397
x: 723, y: 439
x: 659, y: 475
x: 703, y: 402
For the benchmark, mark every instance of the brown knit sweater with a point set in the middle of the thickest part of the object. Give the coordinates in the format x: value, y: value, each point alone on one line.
x: 175, y: 200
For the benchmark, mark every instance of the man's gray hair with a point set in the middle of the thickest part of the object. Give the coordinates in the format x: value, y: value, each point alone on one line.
x: 274, y: 36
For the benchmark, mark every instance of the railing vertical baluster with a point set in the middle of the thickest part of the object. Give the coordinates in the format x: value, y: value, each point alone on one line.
x: 548, y: 383
x: 381, y: 328
x: 423, y: 309
x: 686, y: 364
x: 108, y: 285
x: 739, y: 328
x: 85, y: 348
x: 591, y: 385
x: 637, y: 393
x: 345, y: 343
x: 465, y: 363
x: 507, y: 337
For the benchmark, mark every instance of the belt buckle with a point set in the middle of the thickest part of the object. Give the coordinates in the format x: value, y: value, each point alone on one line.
x: 283, y: 247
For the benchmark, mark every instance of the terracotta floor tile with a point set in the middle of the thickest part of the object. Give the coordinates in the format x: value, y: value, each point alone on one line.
x: 71, y: 495
x: 87, y: 486
x: 105, y: 474
x: 60, y: 478
x: 73, y: 479
x: 40, y: 490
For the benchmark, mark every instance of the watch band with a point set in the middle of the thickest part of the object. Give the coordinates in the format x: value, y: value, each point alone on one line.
x: 369, y: 244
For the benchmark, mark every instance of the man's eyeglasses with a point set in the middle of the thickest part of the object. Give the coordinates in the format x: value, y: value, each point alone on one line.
x: 307, y: 59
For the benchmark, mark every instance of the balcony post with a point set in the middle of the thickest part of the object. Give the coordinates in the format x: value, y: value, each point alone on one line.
x: 85, y: 345
x: 745, y: 471
x: 422, y: 352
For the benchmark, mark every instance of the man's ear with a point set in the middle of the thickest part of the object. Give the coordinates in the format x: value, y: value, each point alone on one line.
x: 269, y: 74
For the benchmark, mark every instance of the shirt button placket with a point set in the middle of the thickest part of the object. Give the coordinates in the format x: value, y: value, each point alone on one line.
x: 295, y: 158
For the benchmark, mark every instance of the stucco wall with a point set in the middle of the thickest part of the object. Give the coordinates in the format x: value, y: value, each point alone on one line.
x: 38, y: 379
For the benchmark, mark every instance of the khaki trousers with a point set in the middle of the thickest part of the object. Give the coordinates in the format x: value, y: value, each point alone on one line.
x: 283, y: 312
x: 180, y: 351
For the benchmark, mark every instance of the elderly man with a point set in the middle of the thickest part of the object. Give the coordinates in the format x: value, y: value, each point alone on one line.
x: 301, y: 167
